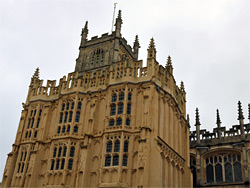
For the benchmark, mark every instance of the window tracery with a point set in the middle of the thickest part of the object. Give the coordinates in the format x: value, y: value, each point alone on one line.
x: 223, y: 167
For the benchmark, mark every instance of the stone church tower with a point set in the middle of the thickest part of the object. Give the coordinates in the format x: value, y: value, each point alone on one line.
x: 110, y: 123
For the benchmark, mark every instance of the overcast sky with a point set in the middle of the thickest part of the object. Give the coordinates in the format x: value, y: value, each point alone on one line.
x: 208, y: 40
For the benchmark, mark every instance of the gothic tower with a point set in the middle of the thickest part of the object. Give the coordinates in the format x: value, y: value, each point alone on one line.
x: 110, y: 123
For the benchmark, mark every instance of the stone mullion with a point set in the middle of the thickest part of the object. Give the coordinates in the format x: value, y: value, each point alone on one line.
x: 223, y: 168
x: 121, y: 157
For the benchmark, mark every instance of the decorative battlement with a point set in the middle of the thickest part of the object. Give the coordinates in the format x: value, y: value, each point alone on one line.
x: 237, y: 133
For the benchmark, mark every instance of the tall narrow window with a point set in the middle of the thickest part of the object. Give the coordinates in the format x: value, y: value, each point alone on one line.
x: 65, y: 117
x: 111, y: 122
x: 107, y: 160
x: 119, y: 122
x: 75, y: 129
x: 57, y: 164
x: 64, y: 151
x: 116, y: 160
x: 70, y: 164
x: 228, y: 172
x: 29, y: 123
x: 59, y: 130
x: 63, y: 129
x: 210, y: 173
x: 112, y: 109
x: 120, y: 108
x: 129, y: 96
x: 124, y: 160
x: 40, y: 112
x: 72, y: 151
x: 79, y: 106
x: 117, y: 146
x: 59, y: 152
x: 109, y: 147
x: 70, y: 116
x: 68, y: 129
x: 127, y: 121
x: 62, y: 164
x: 61, y: 118
x: 54, y: 153
x: 129, y: 108
x: 63, y: 106
x: 121, y: 96
x: 114, y: 97
x: 72, y: 105
x: 52, y: 164
x: 67, y: 108
x: 32, y: 122
x: 125, y: 149
x: 38, y: 121
x: 35, y: 134
x: 77, y: 116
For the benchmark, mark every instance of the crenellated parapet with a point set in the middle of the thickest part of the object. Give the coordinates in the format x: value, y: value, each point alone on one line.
x: 219, y: 135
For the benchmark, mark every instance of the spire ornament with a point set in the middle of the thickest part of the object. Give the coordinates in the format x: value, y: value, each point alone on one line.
x: 84, y: 34
x: 240, y: 112
x: 136, y: 47
x: 182, y: 86
x: 36, y: 73
x: 218, y: 121
x: 152, y: 49
x: 197, y: 117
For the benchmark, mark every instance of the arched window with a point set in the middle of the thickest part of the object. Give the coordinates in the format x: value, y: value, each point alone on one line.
x: 77, y: 116
x: 58, y: 130
x: 63, y: 129
x: 75, y: 129
x: 67, y: 107
x: 63, y: 106
x: 129, y: 108
x: 59, y: 152
x: 125, y: 148
x: 70, y: 116
x: 64, y: 151
x: 52, y: 164
x: 57, y: 164
x: 121, y: 96
x: 114, y: 97
x: 54, y: 153
x: 62, y: 164
x: 33, y: 119
x: 129, y: 96
x: 40, y: 112
x: 124, y: 160
x: 120, y: 108
x: 116, y: 160
x: 117, y: 146
x: 72, y: 151
x: 223, y: 167
x: 111, y: 122
x: 61, y: 118
x: 107, y: 160
x: 65, y: 117
x: 72, y: 105
x: 34, y: 112
x: 38, y: 121
x: 127, y: 121
x: 70, y: 164
x: 68, y: 129
x: 109, y: 147
x: 79, y: 106
x: 119, y: 121
x: 112, y: 109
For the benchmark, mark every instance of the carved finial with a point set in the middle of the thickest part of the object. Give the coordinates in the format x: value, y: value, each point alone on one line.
x: 169, y: 65
x: 136, y: 43
x: 36, y: 73
x: 218, y: 122
x: 119, y: 15
x: 152, y: 43
x: 151, y: 49
x: 85, y: 29
x: 182, y: 86
x: 118, y: 24
x: 197, y: 117
x: 136, y: 47
x: 240, y: 112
